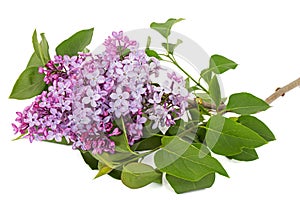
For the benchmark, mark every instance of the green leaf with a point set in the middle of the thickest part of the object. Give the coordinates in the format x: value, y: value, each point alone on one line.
x: 201, y: 134
x: 152, y: 53
x: 147, y: 143
x: 103, y: 169
x: 165, y: 28
x: 175, y: 129
x: 148, y: 42
x: 41, y: 49
x: 219, y: 64
x: 171, y: 47
x: 121, y: 141
x: 245, y: 104
x: 115, y: 160
x: 29, y: 84
x: 206, y: 75
x: 258, y: 126
x: 195, y: 114
x: 137, y: 175
x: 76, y: 43
x: 194, y: 88
x: 125, y: 53
x: 214, y: 91
x: 246, y: 155
x: 151, y: 139
x: 187, y: 83
x: 37, y: 47
x: 227, y: 137
x: 183, y: 160
x: 116, y: 173
x: 45, y: 48
x: 34, y: 61
x: 89, y: 159
x: 181, y: 186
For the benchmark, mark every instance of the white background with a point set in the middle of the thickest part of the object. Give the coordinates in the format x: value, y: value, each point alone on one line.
x: 262, y: 36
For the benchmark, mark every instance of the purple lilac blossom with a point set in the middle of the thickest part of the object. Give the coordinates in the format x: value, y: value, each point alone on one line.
x: 87, y: 93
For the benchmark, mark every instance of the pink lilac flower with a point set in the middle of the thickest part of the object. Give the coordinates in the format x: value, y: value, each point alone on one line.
x: 49, y: 116
x: 87, y: 93
x: 32, y: 119
x: 120, y: 97
x: 91, y: 97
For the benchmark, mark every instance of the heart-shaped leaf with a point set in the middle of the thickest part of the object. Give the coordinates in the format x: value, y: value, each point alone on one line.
x: 165, y: 28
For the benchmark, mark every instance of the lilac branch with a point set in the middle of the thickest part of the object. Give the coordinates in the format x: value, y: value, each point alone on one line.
x: 281, y: 91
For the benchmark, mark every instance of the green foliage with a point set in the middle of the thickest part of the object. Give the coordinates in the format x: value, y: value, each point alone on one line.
x: 45, y: 48
x: 29, y: 84
x: 121, y: 143
x: 194, y: 163
x: 181, y: 186
x: 116, y: 173
x: 171, y: 47
x: 147, y: 143
x: 246, y: 104
x: 103, y: 169
x: 258, y: 126
x: 206, y: 75
x: 34, y: 61
x: 219, y: 64
x: 89, y: 159
x: 214, y: 91
x: 165, y: 28
x: 176, y: 128
x: 41, y: 49
x: 245, y: 155
x: 76, y: 43
x: 227, y: 137
x: 152, y: 53
x: 137, y: 175
x: 184, y: 151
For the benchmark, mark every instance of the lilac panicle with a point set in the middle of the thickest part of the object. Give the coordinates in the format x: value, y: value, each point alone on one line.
x: 87, y: 93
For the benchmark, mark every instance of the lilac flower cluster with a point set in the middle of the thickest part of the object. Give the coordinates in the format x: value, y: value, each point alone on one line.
x: 50, y: 115
x: 88, y: 93
x: 61, y: 67
x: 167, y: 102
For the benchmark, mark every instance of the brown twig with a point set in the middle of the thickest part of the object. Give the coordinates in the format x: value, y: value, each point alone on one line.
x: 209, y: 106
x: 281, y: 91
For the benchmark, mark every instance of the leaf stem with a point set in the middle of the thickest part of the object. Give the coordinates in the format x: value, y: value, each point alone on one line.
x: 172, y: 58
x: 281, y: 91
